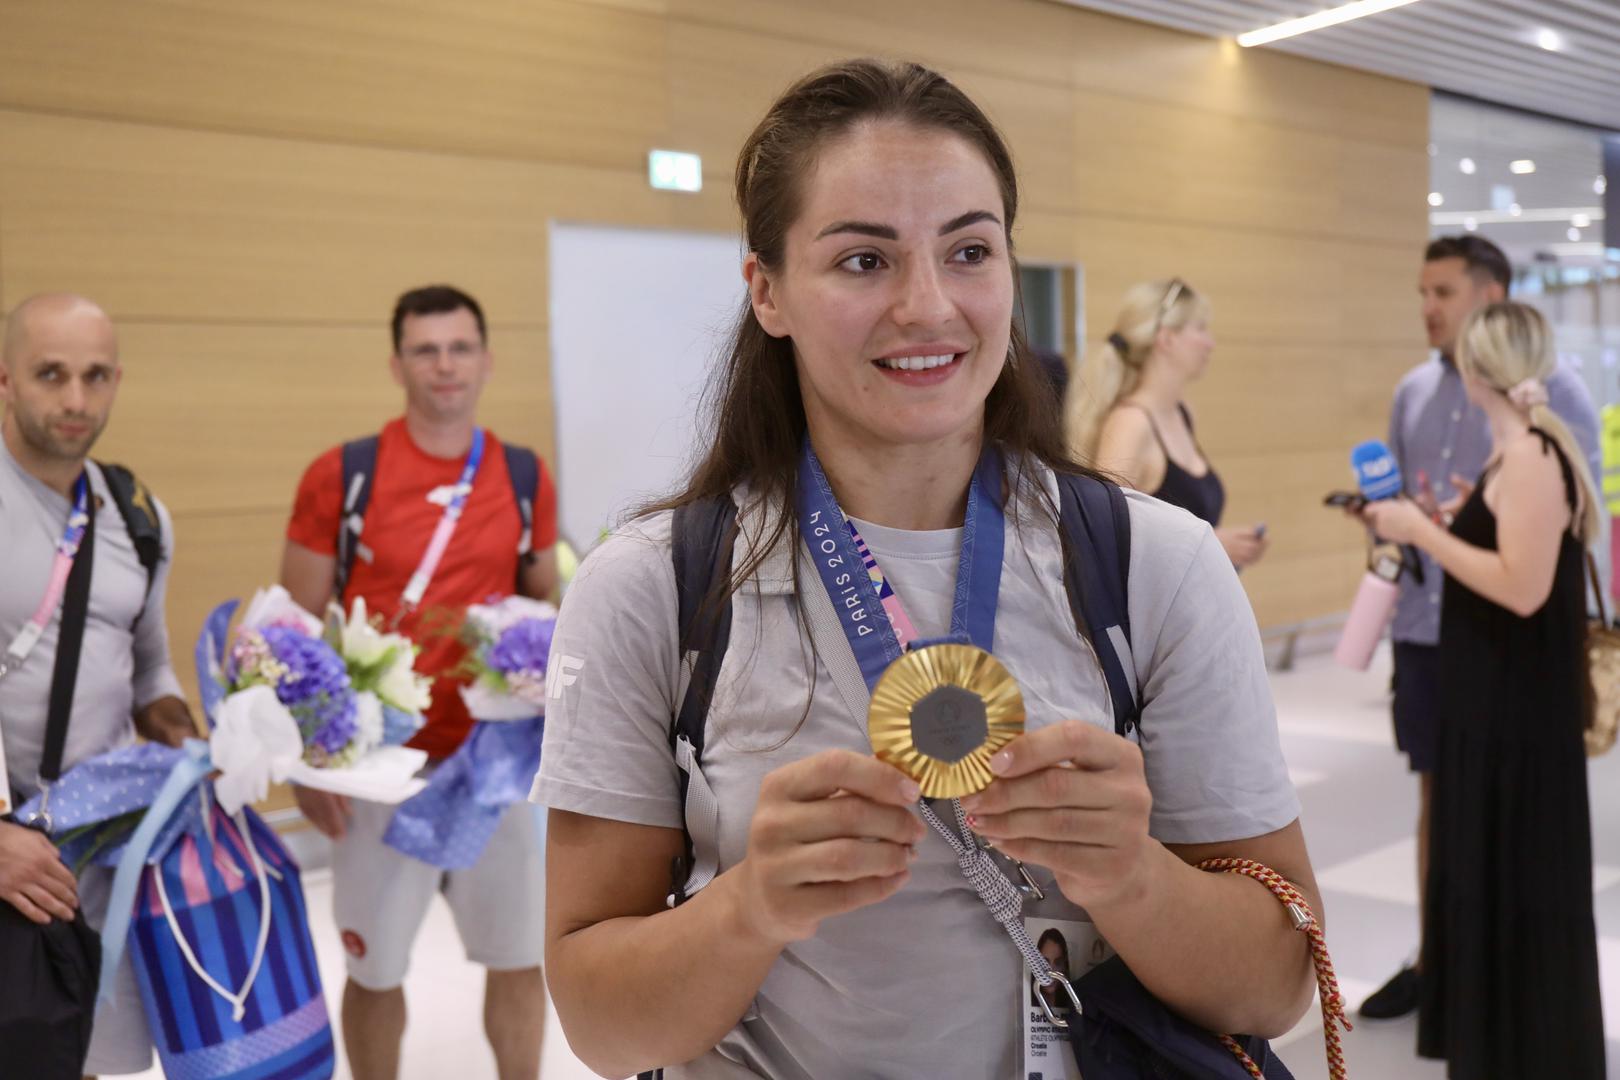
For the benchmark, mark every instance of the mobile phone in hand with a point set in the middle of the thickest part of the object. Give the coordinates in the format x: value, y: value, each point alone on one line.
x: 1346, y: 500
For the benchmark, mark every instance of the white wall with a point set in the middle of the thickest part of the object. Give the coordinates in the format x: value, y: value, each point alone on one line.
x: 638, y: 317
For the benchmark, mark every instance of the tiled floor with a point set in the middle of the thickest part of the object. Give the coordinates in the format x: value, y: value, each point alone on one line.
x: 1360, y: 806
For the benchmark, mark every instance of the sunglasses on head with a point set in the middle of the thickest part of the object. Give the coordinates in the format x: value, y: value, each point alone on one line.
x: 1177, y: 287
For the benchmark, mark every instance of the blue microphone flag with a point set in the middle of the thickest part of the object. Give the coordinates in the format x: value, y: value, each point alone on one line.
x: 1377, y: 473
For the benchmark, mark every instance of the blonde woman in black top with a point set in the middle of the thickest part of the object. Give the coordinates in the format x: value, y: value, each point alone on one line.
x: 1510, y: 985
x: 1128, y: 417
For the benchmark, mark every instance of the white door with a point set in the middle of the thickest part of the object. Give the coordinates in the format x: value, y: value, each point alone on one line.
x: 638, y: 320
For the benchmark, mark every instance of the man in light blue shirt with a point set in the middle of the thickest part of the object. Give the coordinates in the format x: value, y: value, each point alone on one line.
x: 1442, y: 441
x: 59, y: 376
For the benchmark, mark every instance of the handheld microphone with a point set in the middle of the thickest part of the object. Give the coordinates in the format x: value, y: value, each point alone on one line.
x: 1378, y: 475
x: 1377, y: 472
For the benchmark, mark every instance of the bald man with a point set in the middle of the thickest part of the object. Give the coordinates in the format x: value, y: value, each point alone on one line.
x: 59, y: 375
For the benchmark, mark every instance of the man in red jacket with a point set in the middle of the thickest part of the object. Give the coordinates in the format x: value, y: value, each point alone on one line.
x: 362, y: 526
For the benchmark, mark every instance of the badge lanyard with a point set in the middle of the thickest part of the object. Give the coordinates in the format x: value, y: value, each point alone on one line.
x: 67, y: 549
x: 418, y: 585
x: 868, y: 610
x: 878, y: 631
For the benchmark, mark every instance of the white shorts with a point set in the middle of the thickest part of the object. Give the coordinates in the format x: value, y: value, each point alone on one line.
x: 380, y: 896
x: 120, y: 1042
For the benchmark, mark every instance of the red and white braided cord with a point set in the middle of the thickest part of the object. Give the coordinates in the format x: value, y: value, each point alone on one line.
x: 1327, y: 983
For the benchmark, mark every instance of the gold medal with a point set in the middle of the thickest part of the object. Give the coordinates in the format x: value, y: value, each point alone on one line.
x: 939, y: 713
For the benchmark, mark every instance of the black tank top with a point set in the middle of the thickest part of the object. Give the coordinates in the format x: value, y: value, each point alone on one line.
x: 1203, y: 496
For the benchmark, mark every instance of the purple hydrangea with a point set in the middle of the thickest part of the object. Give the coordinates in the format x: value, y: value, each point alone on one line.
x: 316, y: 689
x: 523, y: 647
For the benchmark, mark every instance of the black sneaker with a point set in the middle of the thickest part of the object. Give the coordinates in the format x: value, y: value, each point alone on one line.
x: 1395, y: 998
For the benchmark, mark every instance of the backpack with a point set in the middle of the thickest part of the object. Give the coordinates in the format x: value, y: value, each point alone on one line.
x: 141, y: 520
x: 360, y: 465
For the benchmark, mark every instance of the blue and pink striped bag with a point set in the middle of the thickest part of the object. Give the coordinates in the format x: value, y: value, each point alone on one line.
x: 221, y: 948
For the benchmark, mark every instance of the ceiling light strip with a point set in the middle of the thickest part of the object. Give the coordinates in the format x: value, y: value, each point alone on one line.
x: 1560, y: 214
x: 1322, y: 19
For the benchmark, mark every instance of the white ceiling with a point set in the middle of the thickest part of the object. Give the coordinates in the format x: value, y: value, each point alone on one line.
x: 1568, y: 159
x: 1482, y: 48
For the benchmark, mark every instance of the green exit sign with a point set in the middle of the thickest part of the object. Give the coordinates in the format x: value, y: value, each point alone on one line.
x: 670, y: 170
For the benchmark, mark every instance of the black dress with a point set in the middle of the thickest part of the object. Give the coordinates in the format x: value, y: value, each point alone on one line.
x: 1203, y: 496
x: 1510, y: 967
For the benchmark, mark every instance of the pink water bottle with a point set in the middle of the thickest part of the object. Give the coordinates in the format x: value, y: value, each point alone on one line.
x: 1372, y: 610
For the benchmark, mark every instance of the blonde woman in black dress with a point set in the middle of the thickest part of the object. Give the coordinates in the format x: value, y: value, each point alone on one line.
x: 1127, y: 414
x: 1510, y: 965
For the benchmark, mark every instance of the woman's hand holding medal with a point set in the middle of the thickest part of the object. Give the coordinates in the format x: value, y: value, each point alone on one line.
x: 1074, y: 798
x: 831, y: 833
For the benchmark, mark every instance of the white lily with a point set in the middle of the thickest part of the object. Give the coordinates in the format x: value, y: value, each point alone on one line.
x: 363, y: 647
x: 402, y: 687
x: 358, y: 641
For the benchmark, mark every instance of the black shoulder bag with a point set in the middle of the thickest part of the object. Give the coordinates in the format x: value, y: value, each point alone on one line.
x: 49, y: 974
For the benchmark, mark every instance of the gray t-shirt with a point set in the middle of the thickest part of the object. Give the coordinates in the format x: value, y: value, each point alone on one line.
x: 925, y: 983
x: 124, y: 664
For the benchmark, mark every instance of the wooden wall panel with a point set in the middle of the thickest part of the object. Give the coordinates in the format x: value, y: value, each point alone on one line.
x: 217, y: 557
x: 181, y: 225
x: 1316, y: 554
x: 1288, y: 591
x: 1029, y: 39
x: 261, y: 402
x: 163, y: 223
x: 1207, y: 75
x: 247, y: 188
x: 1161, y: 162
x: 1270, y: 399
x: 723, y: 79
x: 1304, y: 288
x: 515, y: 78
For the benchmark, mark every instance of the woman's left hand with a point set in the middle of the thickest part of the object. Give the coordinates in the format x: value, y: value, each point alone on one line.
x: 1397, y: 520
x: 1071, y: 797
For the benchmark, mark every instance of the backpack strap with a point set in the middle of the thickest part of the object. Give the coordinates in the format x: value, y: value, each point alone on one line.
x: 703, y: 534
x: 69, y: 643
x: 523, y: 468
x: 1096, y: 528
x: 359, y: 466
x: 141, y: 520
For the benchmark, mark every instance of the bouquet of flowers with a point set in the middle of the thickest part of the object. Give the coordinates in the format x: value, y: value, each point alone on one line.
x: 449, y: 823
x: 508, y: 644
x: 285, y: 707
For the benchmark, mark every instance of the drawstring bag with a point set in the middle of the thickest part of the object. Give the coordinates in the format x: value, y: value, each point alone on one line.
x: 222, y: 952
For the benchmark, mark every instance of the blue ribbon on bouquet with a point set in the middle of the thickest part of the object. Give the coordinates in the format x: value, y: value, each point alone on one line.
x: 449, y: 823
x: 210, y: 658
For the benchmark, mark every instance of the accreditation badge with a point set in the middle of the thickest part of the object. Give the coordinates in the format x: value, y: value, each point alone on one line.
x: 939, y: 713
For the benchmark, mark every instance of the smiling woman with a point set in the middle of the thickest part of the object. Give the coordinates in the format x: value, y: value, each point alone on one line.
x: 901, y: 326
x: 878, y: 401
